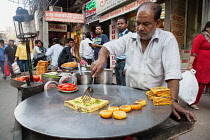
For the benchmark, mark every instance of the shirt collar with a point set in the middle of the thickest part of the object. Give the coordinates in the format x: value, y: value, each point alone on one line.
x: 123, y: 33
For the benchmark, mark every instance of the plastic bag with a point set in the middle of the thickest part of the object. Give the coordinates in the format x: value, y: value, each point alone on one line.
x: 6, y: 69
x: 15, y: 67
x: 188, y: 87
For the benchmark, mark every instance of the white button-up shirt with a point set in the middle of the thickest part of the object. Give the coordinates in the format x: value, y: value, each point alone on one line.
x: 159, y: 62
x: 85, y: 50
x: 54, y: 52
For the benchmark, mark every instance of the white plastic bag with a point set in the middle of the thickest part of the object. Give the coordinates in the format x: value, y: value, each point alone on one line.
x: 188, y: 87
x: 15, y: 67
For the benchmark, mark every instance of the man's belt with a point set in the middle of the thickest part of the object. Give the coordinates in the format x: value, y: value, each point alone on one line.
x: 120, y: 60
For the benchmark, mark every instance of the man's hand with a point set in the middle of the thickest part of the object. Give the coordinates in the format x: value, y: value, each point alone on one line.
x: 92, y: 45
x: 97, y: 67
x: 177, y: 109
x: 124, y: 72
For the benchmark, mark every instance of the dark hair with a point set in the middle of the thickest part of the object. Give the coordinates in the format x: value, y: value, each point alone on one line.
x: 153, y: 6
x: 55, y: 40
x: 1, y: 40
x: 126, y: 21
x: 207, y: 26
x: 99, y: 26
x: 40, y: 42
x: 11, y: 40
x: 69, y: 39
x: 36, y: 41
x: 88, y: 35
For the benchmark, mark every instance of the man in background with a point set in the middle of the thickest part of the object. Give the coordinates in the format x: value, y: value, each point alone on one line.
x: 66, y: 54
x: 54, y: 51
x: 21, y: 56
x: 2, y: 58
x: 9, y: 54
x: 120, y: 70
x: 99, y: 41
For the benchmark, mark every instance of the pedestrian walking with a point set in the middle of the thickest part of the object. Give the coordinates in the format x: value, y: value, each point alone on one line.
x: 199, y: 60
x: 9, y: 54
x: 2, y: 58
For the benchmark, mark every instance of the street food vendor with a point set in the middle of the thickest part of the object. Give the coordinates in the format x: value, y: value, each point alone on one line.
x: 153, y: 57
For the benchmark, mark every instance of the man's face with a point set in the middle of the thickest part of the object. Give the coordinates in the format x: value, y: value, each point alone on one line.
x: 71, y: 43
x: 11, y: 43
x: 98, y: 31
x: 121, y: 25
x: 39, y: 44
x: 1, y: 44
x: 146, y: 24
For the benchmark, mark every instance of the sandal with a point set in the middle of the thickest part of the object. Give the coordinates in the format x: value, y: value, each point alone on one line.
x: 193, y: 107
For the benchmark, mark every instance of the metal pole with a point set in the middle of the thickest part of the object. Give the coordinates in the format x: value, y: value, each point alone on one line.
x: 29, y: 60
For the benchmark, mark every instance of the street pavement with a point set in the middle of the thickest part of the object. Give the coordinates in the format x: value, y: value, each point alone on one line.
x: 8, y: 102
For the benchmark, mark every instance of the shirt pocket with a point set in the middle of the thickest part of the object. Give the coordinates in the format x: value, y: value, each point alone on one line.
x: 154, y: 67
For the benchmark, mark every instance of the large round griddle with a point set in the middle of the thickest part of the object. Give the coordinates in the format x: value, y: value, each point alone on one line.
x: 45, y: 113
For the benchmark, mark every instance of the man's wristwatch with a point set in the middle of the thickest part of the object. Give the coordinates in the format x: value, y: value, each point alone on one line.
x: 175, y: 101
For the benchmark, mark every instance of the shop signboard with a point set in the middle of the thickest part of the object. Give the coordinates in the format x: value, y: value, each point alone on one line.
x: 122, y: 10
x: 92, y: 18
x: 104, y: 5
x: 77, y: 27
x: 113, y: 36
x: 64, y: 17
x: 90, y: 8
x: 178, y: 28
x: 57, y: 27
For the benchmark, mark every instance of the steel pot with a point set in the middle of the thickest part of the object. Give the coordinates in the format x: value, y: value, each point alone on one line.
x: 86, y: 78
x: 105, y: 77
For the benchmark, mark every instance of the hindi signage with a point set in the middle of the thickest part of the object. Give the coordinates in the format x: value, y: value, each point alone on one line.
x: 64, y: 17
x: 125, y: 9
x: 178, y: 28
x: 104, y: 5
x: 57, y: 27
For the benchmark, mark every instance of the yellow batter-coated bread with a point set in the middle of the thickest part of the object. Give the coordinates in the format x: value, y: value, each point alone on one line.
x: 142, y: 102
x: 106, y: 114
x: 136, y: 106
x: 119, y: 115
x: 126, y: 108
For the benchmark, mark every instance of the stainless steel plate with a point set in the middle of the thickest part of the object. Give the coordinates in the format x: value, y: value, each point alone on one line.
x: 45, y: 113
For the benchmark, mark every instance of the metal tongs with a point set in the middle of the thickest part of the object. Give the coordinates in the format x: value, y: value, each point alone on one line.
x: 86, y: 97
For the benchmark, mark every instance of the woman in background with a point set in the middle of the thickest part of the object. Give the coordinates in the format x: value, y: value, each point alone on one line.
x: 200, y: 61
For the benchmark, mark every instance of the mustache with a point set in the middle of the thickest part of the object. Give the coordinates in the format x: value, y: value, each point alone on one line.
x: 142, y: 32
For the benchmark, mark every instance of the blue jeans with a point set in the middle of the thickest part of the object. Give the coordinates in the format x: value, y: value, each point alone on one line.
x: 10, y: 66
x: 23, y: 64
x: 2, y: 66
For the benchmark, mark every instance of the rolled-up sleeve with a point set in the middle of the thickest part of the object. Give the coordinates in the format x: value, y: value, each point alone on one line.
x: 171, y: 60
x: 117, y: 47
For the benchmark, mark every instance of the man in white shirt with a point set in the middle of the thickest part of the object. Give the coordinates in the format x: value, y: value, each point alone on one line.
x: 85, y: 51
x: 152, y: 56
x: 54, y: 52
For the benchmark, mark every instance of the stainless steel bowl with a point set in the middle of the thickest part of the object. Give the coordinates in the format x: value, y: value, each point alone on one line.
x: 86, y: 78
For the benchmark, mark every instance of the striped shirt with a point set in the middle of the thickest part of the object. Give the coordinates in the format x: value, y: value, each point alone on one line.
x: 159, y: 62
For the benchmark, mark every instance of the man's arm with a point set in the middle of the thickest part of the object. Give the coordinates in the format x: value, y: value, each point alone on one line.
x: 49, y: 51
x: 93, y: 45
x: 98, y: 66
x: 173, y: 85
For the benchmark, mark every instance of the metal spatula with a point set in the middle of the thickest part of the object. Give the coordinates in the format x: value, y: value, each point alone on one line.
x: 86, y: 97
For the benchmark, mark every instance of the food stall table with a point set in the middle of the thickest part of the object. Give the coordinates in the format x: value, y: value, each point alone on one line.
x: 43, y: 116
